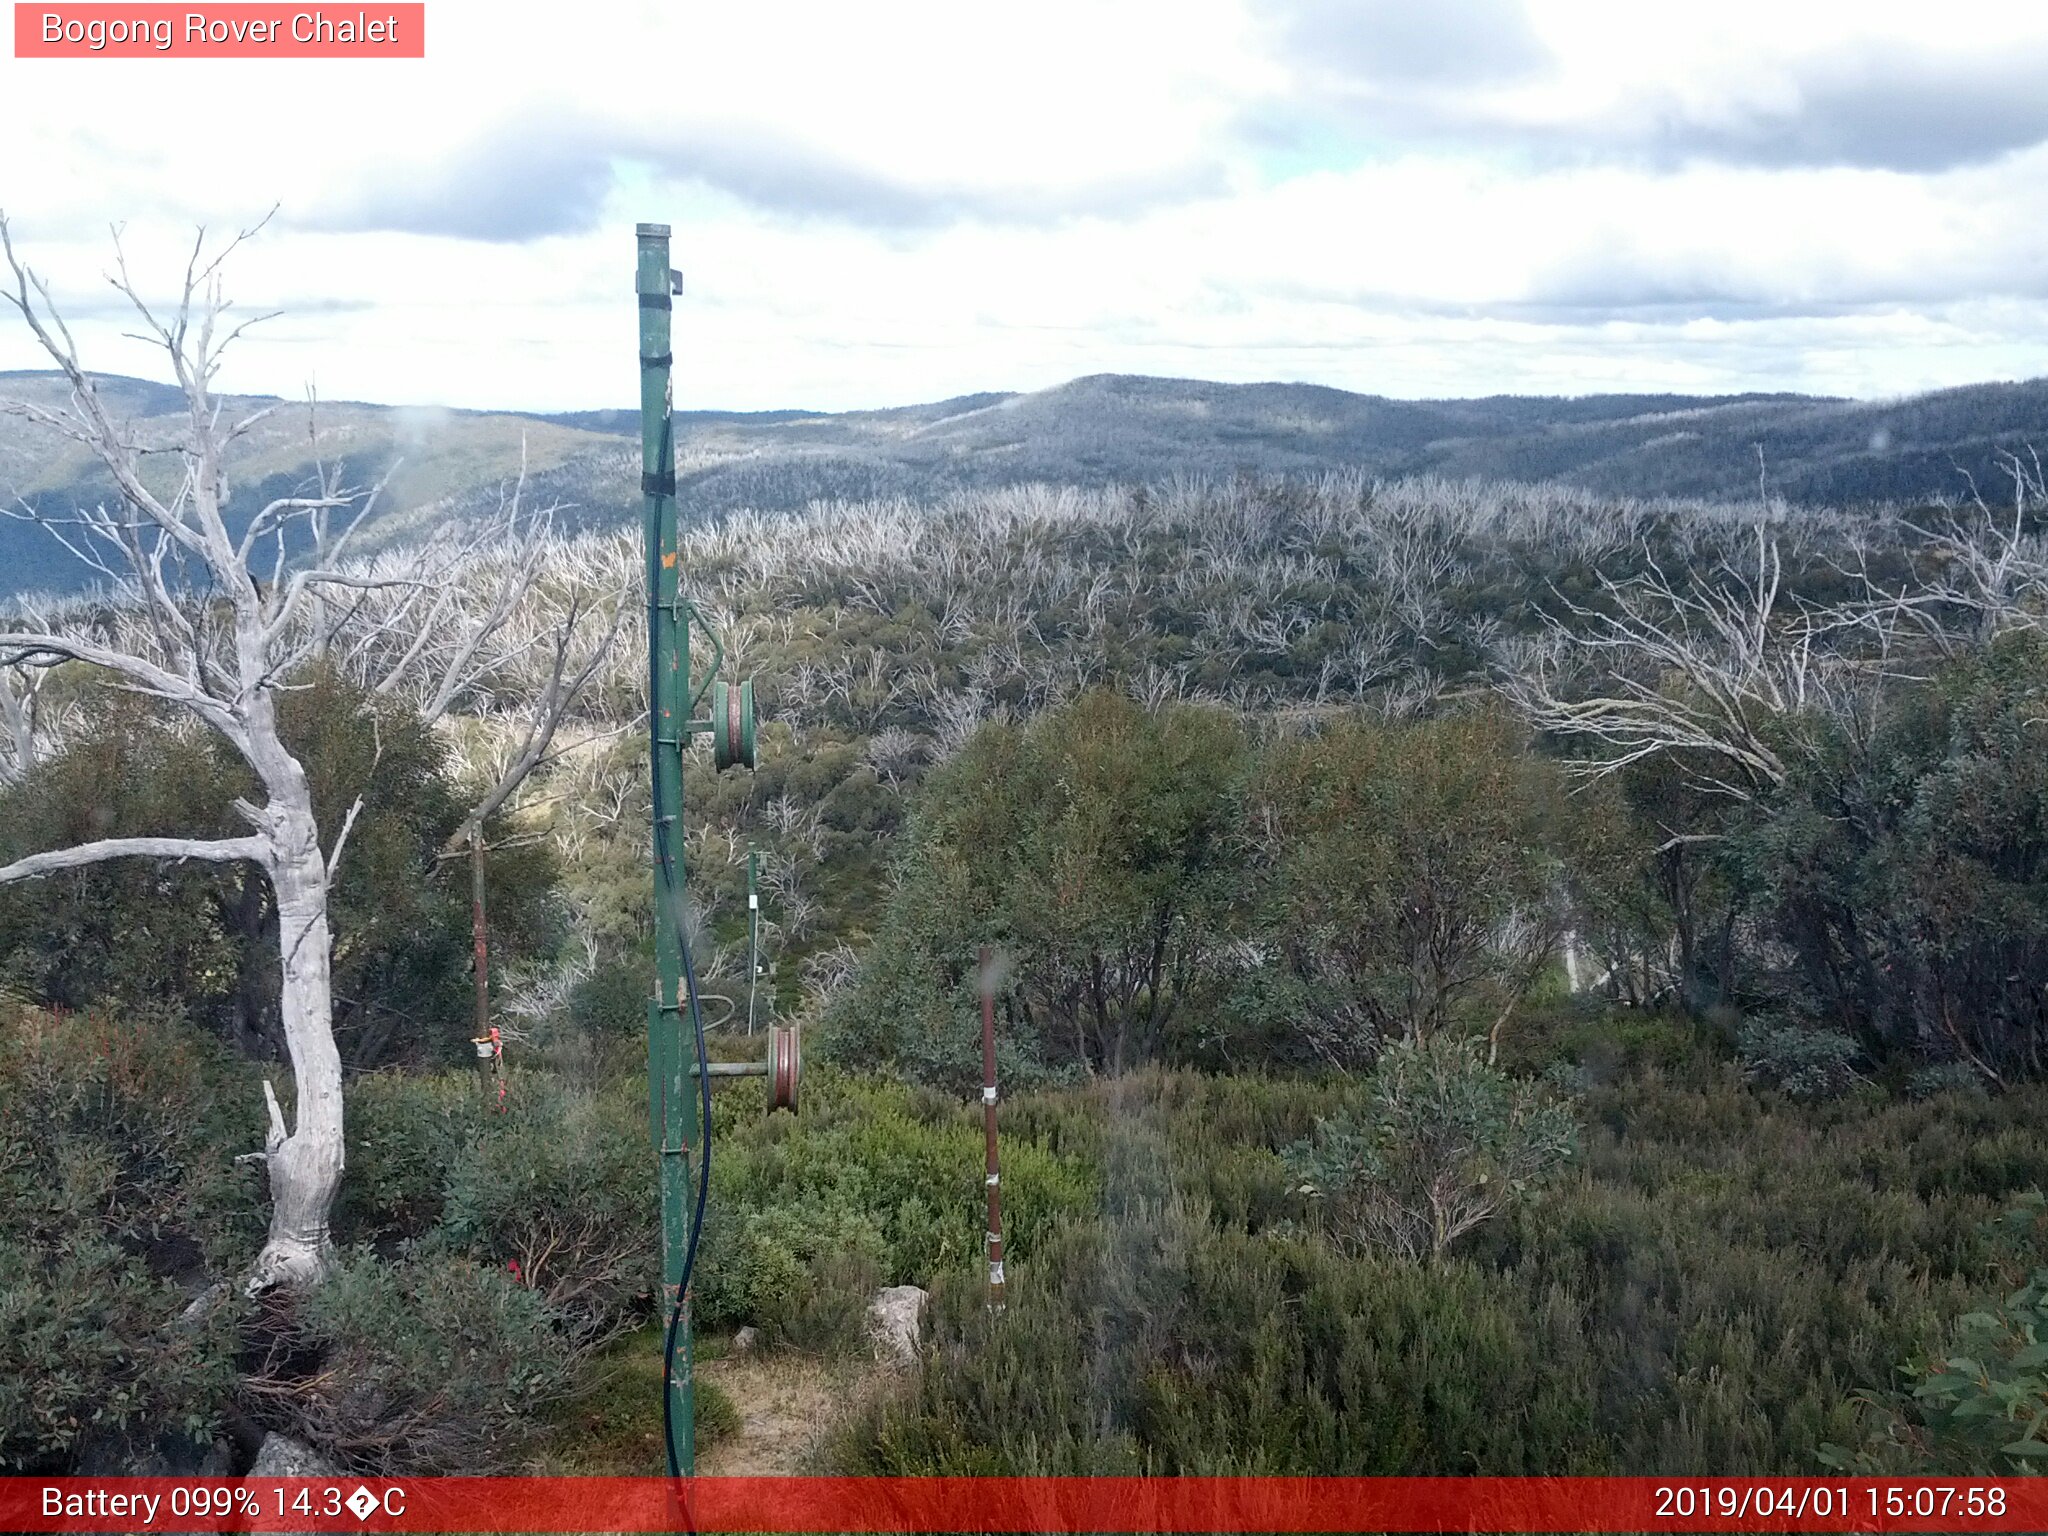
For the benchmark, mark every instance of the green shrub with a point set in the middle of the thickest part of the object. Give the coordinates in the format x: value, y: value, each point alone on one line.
x: 557, y: 1187
x: 1992, y: 1396
x: 90, y: 1345
x: 1094, y: 844
x: 802, y: 1274
x: 406, y: 1132
x: 874, y: 1183
x: 1159, y: 1344
x: 560, y: 1190
x: 1442, y: 1143
x: 202, y: 938
x: 119, y: 1200
x: 1601, y: 1042
x: 1404, y: 875
x: 1800, y: 1062
x: 1979, y: 1404
x: 1704, y: 1289
x: 713, y: 1412
x: 431, y: 1365
x: 611, y: 1002
x: 1945, y: 1077
x: 130, y: 932
x: 127, y: 1123
x: 610, y: 1425
x: 876, y: 1154
x: 1905, y: 868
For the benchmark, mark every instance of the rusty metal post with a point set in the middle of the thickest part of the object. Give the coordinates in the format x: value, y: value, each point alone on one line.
x: 490, y: 1045
x: 478, y: 934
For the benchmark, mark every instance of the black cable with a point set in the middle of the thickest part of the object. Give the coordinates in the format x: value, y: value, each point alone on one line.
x: 668, y: 1356
x: 666, y: 856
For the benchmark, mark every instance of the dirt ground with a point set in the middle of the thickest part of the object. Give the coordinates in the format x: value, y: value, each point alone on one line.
x: 787, y: 1403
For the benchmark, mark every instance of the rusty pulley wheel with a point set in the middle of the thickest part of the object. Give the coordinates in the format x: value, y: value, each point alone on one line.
x: 732, y: 725
x: 785, y: 1066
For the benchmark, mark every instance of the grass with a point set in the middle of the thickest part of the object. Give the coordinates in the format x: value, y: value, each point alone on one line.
x: 612, y: 1427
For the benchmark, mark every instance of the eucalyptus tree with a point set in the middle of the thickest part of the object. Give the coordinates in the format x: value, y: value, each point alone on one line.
x: 214, y: 617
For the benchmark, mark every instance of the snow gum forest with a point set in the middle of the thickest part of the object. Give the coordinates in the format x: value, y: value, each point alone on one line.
x: 1498, y: 976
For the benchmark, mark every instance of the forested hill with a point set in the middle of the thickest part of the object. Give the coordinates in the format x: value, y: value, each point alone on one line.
x: 1090, y: 431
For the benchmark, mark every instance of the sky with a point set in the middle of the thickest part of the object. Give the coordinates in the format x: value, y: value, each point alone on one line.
x: 897, y: 201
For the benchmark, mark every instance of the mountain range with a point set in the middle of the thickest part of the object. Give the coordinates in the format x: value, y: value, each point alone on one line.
x: 1106, y: 428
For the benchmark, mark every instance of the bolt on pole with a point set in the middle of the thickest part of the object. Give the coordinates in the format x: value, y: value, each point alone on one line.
x: 672, y: 1106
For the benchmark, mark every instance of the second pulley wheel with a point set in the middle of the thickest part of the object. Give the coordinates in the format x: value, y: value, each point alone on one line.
x: 785, y: 1065
x: 732, y: 724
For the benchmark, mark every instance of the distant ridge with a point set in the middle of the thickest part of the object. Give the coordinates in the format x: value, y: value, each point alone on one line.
x: 1101, y: 429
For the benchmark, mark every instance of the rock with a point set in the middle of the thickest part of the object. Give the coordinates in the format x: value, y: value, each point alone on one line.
x: 896, y: 1321
x: 203, y: 1305
x: 746, y: 1339
x: 282, y: 1456
x: 117, y: 1453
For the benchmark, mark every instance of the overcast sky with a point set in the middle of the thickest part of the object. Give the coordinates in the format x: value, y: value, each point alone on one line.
x: 889, y: 202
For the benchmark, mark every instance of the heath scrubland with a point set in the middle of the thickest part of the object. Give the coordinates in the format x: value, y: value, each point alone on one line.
x: 1497, y: 978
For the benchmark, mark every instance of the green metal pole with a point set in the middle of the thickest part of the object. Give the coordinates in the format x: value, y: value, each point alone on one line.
x: 672, y: 1102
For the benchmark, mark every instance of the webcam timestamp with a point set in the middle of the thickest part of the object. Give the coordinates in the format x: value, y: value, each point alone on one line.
x: 1817, y: 1500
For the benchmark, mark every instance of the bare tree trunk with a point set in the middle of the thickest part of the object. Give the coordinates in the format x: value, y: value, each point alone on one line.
x: 17, y: 722
x: 304, y: 1162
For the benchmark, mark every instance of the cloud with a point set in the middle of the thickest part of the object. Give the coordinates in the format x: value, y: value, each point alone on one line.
x: 516, y: 184
x: 1363, y: 75
x: 554, y: 174
x: 1457, y: 197
x: 784, y: 178
x: 1891, y: 109
x: 1396, y: 44
x: 1484, y: 78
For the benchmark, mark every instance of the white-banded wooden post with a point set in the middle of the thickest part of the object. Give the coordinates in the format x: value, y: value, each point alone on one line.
x: 479, y: 942
x: 994, y: 1237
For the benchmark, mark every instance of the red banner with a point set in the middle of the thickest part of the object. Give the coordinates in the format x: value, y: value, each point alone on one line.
x: 220, y: 31
x: 1064, y: 1504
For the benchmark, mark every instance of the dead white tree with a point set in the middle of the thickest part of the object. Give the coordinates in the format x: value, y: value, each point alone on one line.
x: 1984, y: 571
x: 217, y: 623
x: 225, y: 644
x: 20, y: 690
x: 895, y: 755
x: 1697, y: 668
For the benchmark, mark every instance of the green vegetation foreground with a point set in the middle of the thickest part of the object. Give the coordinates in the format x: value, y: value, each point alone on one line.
x: 1719, y: 1279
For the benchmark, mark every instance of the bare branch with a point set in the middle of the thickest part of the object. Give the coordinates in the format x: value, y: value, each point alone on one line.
x: 177, y: 849
x: 1696, y: 669
x: 549, y: 709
